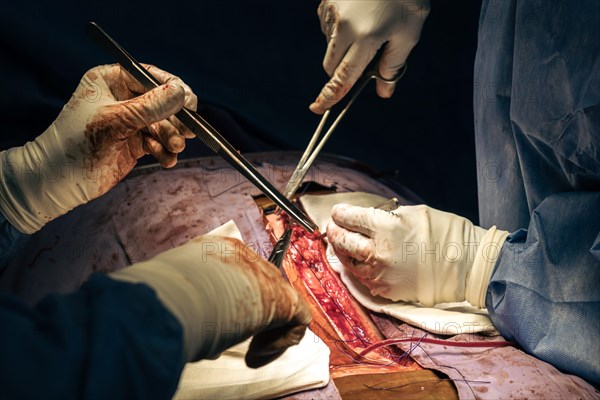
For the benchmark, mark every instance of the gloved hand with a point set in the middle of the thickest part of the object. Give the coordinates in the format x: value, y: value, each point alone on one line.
x: 222, y: 292
x: 355, y: 30
x: 95, y: 141
x: 416, y: 253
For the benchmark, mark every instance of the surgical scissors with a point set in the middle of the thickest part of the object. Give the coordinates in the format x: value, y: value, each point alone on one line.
x: 311, y: 152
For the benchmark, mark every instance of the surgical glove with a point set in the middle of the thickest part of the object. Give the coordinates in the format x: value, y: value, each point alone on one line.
x: 355, y: 30
x: 95, y: 141
x: 222, y: 292
x: 416, y: 253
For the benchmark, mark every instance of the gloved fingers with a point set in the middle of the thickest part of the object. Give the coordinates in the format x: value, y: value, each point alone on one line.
x: 345, y: 76
x: 392, y: 59
x: 135, y: 143
x: 271, y: 343
x: 115, y: 77
x: 385, y: 90
x: 346, y: 260
x: 191, y: 100
x: 329, y: 17
x: 168, y: 136
x: 337, y: 47
x: 132, y: 85
x: 152, y: 146
x: 364, y: 271
x: 349, y: 243
x: 183, y: 130
x: 127, y: 117
x: 285, y: 320
x: 353, y: 218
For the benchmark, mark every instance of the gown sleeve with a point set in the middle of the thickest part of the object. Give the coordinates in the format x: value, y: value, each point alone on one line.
x: 107, y: 340
x: 545, y: 290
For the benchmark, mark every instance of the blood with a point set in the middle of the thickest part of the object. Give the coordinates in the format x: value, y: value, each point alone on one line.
x: 308, y: 256
x: 329, y: 294
x: 445, y: 343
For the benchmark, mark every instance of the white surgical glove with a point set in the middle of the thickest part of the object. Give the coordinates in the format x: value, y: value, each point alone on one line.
x: 416, y: 253
x: 355, y: 30
x: 222, y: 292
x: 95, y: 141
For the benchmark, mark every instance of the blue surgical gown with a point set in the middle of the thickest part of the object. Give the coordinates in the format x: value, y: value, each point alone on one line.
x: 537, y: 127
x: 537, y: 92
x: 108, y: 340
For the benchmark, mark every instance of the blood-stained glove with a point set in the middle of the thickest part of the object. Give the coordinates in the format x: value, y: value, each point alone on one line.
x: 355, y: 30
x: 222, y: 292
x: 416, y: 253
x: 95, y: 141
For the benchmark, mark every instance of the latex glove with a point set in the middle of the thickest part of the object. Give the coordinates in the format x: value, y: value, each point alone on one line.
x: 355, y: 30
x: 222, y: 292
x: 416, y: 253
x: 95, y: 141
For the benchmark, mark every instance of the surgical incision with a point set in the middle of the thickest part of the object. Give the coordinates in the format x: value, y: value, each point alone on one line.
x: 338, y: 318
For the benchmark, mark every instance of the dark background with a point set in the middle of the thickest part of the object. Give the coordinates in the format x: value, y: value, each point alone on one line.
x: 256, y: 66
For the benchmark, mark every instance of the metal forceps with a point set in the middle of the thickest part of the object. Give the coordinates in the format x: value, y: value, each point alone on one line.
x: 202, y: 129
x: 280, y: 248
x: 311, y: 152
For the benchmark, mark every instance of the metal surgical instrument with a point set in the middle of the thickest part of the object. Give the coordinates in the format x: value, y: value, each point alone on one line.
x: 202, y: 129
x: 311, y: 152
x: 280, y: 248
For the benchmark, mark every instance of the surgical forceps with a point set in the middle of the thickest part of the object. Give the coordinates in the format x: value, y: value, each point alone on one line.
x: 280, y: 248
x: 311, y: 152
x: 202, y: 129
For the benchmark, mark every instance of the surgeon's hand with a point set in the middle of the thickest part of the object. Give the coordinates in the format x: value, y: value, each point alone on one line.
x: 355, y: 30
x: 416, y: 253
x: 222, y: 292
x: 108, y: 124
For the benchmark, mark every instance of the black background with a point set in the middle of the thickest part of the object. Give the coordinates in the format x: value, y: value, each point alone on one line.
x: 256, y: 66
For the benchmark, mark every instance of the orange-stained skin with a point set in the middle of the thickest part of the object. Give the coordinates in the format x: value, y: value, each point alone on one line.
x: 338, y: 319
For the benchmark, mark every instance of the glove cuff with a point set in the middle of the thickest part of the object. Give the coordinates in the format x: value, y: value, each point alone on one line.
x: 483, y: 266
x: 17, y: 171
x: 38, y: 183
x: 215, y: 304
